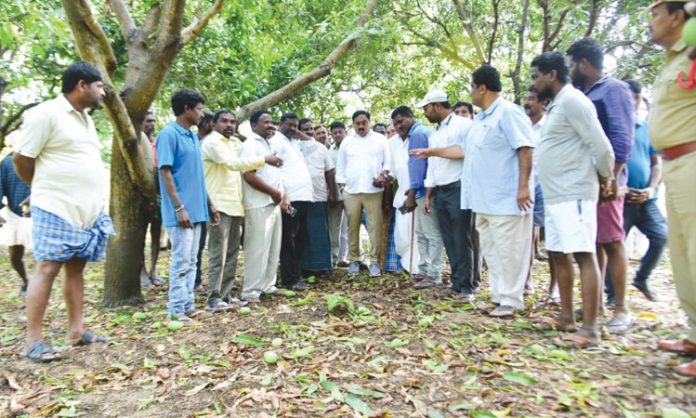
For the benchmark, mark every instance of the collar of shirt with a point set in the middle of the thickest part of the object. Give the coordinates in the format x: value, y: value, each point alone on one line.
x: 597, y: 84
x: 561, y: 93
x: 486, y: 113
x: 445, y: 122
x: 541, y: 122
x: 415, y: 126
x: 68, y: 107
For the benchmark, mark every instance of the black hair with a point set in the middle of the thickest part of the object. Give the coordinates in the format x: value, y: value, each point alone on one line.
x: 404, y: 111
x: 288, y: 115
x: 675, y: 6
x: 254, y: 119
x: 468, y: 105
x: 79, y: 71
x: 221, y: 112
x: 149, y: 112
x: 321, y: 125
x: 337, y: 125
x: 303, y: 121
x: 588, y: 49
x: 379, y: 125
x: 185, y: 98
x: 635, y: 86
x: 361, y: 112
x: 207, y: 118
x: 549, y: 61
x: 487, y: 75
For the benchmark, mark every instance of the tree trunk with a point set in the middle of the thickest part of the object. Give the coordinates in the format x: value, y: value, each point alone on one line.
x: 520, y: 53
x: 125, y: 258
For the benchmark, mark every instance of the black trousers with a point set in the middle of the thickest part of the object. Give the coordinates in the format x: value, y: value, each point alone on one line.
x: 293, y: 244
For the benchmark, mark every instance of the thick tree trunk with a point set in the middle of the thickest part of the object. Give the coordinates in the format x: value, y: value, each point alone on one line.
x: 125, y: 257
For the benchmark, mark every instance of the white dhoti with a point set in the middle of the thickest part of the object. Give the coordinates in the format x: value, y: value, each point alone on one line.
x: 16, y: 231
x: 405, y: 247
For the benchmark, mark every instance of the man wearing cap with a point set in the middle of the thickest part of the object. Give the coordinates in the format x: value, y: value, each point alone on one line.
x: 673, y: 133
x: 496, y: 185
x: 443, y: 181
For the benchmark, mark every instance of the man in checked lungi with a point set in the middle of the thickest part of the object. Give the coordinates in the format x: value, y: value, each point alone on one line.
x: 58, y: 155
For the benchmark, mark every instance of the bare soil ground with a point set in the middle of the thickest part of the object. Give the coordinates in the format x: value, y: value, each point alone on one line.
x: 383, y: 350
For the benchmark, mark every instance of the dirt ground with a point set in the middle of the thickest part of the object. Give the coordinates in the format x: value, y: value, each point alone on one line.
x: 349, y: 347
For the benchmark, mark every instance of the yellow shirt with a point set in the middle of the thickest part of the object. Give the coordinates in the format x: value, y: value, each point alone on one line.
x: 222, y: 164
x: 69, y: 175
x: 674, y: 108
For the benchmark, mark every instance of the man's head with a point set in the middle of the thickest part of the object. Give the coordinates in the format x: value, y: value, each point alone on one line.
x: 380, y: 128
x: 391, y: 130
x: 435, y: 106
x: 637, y: 91
x: 464, y: 109
x: 225, y: 122
x: 148, y: 126
x: 83, y: 83
x: 305, y: 125
x: 585, y: 59
x: 667, y: 19
x: 361, y: 122
x: 188, y: 105
x: 205, y: 125
x: 338, y: 132
x: 485, y: 86
x: 262, y: 123
x: 534, y: 106
x: 402, y: 118
x: 321, y: 134
x: 549, y: 75
x: 289, y: 123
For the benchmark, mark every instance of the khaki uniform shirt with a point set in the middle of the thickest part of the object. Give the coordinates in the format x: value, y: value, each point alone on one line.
x: 671, y: 117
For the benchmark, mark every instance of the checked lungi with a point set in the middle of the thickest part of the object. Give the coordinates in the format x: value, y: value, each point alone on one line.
x: 58, y: 240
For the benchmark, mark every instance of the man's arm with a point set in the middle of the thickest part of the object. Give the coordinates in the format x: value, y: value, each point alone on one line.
x: 641, y: 195
x: 330, y: 177
x: 524, y: 199
x: 24, y: 166
x: 452, y: 152
x: 182, y: 215
x: 214, y: 214
x: 257, y: 183
x: 417, y: 167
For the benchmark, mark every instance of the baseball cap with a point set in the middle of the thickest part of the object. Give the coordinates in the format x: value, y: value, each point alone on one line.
x: 433, y: 96
x: 656, y: 3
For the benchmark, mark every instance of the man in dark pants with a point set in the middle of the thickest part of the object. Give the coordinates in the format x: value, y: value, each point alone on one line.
x: 443, y: 180
x: 640, y: 208
x: 205, y: 126
x: 298, y: 188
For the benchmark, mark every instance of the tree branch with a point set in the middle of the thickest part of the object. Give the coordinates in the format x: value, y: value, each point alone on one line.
x: 594, y: 13
x: 322, y: 70
x: 496, y: 20
x: 124, y: 19
x: 169, y: 28
x: 195, y: 28
x: 85, y: 10
x: 466, y: 23
x: 150, y: 23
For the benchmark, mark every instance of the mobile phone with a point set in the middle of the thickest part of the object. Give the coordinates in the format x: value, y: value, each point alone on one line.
x: 403, y: 209
x: 292, y: 212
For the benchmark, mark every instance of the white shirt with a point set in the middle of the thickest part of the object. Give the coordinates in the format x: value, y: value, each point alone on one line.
x: 318, y: 162
x: 451, y: 131
x: 399, y: 154
x: 256, y: 146
x: 69, y: 175
x: 360, y: 160
x: 296, y: 178
x: 333, y: 153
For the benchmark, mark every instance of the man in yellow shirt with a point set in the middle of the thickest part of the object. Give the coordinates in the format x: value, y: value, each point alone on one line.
x: 222, y: 165
x: 673, y: 133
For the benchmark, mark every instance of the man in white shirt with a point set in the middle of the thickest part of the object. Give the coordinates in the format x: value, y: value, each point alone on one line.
x: 338, y: 219
x: 58, y: 155
x: 298, y: 189
x: 362, y: 170
x: 264, y: 198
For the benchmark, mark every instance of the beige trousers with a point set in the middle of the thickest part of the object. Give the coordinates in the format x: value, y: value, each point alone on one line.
x: 354, y: 204
x: 262, y: 237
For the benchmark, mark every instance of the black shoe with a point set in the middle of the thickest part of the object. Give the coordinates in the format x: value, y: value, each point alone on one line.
x: 299, y: 286
x: 642, y: 286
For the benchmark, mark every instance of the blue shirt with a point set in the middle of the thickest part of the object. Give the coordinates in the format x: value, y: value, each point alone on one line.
x: 640, y: 164
x: 12, y: 187
x: 615, y: 111
x: 180, y: 150
x: 418, y: 167
x: 491, y: 171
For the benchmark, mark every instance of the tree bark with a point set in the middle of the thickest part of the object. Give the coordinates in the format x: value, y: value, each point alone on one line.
x: 520, y: 52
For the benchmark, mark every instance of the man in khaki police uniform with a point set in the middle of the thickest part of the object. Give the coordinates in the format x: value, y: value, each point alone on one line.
x: 673, y: 133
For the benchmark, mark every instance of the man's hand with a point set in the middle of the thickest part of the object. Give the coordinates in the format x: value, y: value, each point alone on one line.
x: 638, y: 196
x: 285, y: 205
x: 214, y: 216
x: 331, y: 200
x: 184, y: 220
x: 410, y: 202
x: 524, y: 199
x: 609, y: 189
x: 421, y: 152
x: 277, y: 196
x: 426, y: 205
x: 273, y: 160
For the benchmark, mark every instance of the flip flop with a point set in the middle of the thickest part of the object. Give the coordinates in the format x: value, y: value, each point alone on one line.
x: 89, y: 337
x: 620, y: 326
x: 38, y: 351
x: 578, y: 341
x: 556, y: 325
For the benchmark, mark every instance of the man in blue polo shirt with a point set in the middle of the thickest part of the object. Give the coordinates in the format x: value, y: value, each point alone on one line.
x: 185, y: 203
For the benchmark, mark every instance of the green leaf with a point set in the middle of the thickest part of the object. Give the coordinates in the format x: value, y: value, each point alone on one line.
x: 247, y: 340
x: 303, y: 352
x: 482, y: 414
x: 361, y: 391
x: 69, y: 412
x: 397, y: 342
x: 519, y: 378
x: 358, y: 405
x: 671, y: 412
x: 435, y: 414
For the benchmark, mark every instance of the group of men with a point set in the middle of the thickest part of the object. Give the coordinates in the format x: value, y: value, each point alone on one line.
x: 467, y: 189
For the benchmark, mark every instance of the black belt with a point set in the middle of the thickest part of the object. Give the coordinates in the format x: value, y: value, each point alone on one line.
x: 453, y: 185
